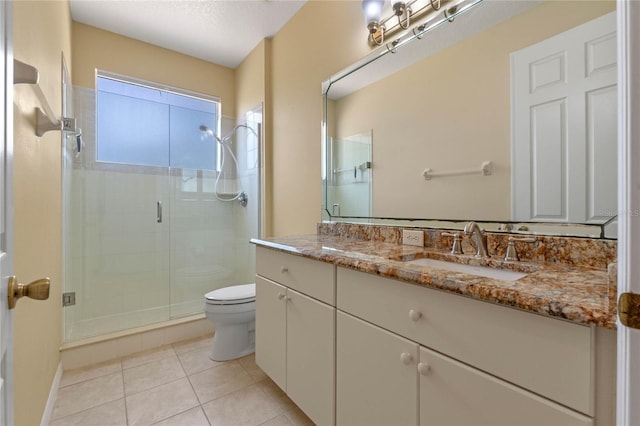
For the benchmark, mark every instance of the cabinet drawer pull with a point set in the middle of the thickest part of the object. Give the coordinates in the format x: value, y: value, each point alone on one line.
x: 284, y: 269
x: 423, y: 368
x: 406, y: 358
x: 415, y: 315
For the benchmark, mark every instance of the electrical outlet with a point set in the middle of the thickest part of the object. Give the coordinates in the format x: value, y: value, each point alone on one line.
x: 413, y: 238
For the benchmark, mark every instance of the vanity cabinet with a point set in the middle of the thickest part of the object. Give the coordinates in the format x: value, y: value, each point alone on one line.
x: 352, y: 348
x: 295, y: 329
x: 384, y: 379
x: 432, y: 358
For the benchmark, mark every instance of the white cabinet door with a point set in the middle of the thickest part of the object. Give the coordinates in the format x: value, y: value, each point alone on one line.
x: 452, y: 393
x: 376, y: 377
x: 311, y: 356
x: 271, y: 329
x: 564, y: 128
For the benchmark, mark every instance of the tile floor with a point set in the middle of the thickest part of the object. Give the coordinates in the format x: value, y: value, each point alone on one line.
x: 173, y: 385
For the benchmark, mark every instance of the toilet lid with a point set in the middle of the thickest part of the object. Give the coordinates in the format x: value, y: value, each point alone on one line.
x: 233, y: 294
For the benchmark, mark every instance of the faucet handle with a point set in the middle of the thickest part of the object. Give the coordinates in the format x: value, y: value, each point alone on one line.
x: 512, y: 255
x: 457, y: 241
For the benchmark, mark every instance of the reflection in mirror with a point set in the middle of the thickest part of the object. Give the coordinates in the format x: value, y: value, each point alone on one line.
x: 499, y: 84
x: 349, y: 183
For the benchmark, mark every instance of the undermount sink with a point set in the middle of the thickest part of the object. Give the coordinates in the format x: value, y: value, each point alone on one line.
x: 483, y: 271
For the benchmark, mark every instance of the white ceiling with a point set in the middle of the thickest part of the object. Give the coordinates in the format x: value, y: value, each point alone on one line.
x: 219, y: 31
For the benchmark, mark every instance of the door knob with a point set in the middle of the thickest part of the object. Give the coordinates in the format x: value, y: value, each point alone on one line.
x: 38, y: 289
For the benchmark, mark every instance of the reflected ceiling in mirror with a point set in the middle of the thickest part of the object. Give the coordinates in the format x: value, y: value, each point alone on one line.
x: 445, y: 103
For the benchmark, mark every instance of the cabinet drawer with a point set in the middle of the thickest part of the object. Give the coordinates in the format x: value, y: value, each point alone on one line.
x: 452, y: 393
x: 310, y: 277
x: 550, y: 357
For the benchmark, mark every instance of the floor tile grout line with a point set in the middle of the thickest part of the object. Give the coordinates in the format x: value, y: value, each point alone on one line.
x: 153, y: 387
x: 89, y: 378
x: 245, y: 365
x: 239, y: 390
x: 200, y: 404
x: 124, y: 394
x: 177, y: 414
x: 87, y: 409
x: 149, y: 361
x: 81, y: 383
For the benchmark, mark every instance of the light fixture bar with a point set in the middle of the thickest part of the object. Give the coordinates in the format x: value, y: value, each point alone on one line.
x: 438, y: 10
x: 384, y: 33
x: 447, y: 14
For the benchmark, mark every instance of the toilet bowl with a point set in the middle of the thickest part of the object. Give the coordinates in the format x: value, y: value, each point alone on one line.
x: 233, y: 312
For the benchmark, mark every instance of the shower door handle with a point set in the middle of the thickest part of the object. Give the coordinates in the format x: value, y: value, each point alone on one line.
x: 159, y: 212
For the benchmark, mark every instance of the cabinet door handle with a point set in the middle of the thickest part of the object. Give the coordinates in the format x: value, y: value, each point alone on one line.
x: 406, y: 358
x: 414, y: 315
x: 281, y: 296
x: 424, y: 368
x: 284, y: 269
x: 159, y: 212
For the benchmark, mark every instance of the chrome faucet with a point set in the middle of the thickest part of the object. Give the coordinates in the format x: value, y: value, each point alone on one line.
x: 478, y: 238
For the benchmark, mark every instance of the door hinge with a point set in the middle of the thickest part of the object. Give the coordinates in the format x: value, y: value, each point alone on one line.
x: 629, y: 309
x: 69, y: 298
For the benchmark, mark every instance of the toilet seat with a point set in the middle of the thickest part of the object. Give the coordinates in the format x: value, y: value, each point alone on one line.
x: 232, y: 295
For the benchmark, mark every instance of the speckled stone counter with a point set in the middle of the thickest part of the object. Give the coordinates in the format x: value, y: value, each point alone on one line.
x: 578, y: 294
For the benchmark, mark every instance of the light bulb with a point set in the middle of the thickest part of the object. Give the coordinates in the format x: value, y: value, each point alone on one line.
x: 372, y: 10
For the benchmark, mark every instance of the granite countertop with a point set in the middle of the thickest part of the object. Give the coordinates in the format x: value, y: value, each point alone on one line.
x: 577, y: 294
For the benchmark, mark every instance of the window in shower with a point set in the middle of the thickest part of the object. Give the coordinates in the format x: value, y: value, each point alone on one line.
x: 139, y: 124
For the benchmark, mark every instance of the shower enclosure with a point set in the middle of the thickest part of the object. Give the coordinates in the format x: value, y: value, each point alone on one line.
x: 144, y: 243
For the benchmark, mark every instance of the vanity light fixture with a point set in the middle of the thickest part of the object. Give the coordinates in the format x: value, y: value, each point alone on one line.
x: 405, y: 13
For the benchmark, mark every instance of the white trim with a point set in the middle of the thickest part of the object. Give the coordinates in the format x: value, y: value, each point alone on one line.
x: 628, y: 348
x: 53, y: 395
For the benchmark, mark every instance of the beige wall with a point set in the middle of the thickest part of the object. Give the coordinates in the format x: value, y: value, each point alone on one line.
x: 252, y: 89
x: 451, y: 112
x: 325, y: 37
x: 97, y: 49
x: 42, y: 30
x: 250, y: 77
x: 321, y: 39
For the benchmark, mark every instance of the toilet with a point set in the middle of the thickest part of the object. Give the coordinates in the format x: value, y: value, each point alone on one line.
x: 233, y: 312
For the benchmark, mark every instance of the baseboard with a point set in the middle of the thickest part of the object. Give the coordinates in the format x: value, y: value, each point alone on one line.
x: 53, y: 395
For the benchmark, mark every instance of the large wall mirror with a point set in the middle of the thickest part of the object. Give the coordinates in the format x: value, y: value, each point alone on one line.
x: 506, y: 115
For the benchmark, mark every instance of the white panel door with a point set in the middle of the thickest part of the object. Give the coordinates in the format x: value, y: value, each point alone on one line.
x: 6, y: 215
x: 564, y: 132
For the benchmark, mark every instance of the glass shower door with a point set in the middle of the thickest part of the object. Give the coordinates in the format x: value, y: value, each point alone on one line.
x: 117, y: 243
x: 120, y: 251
